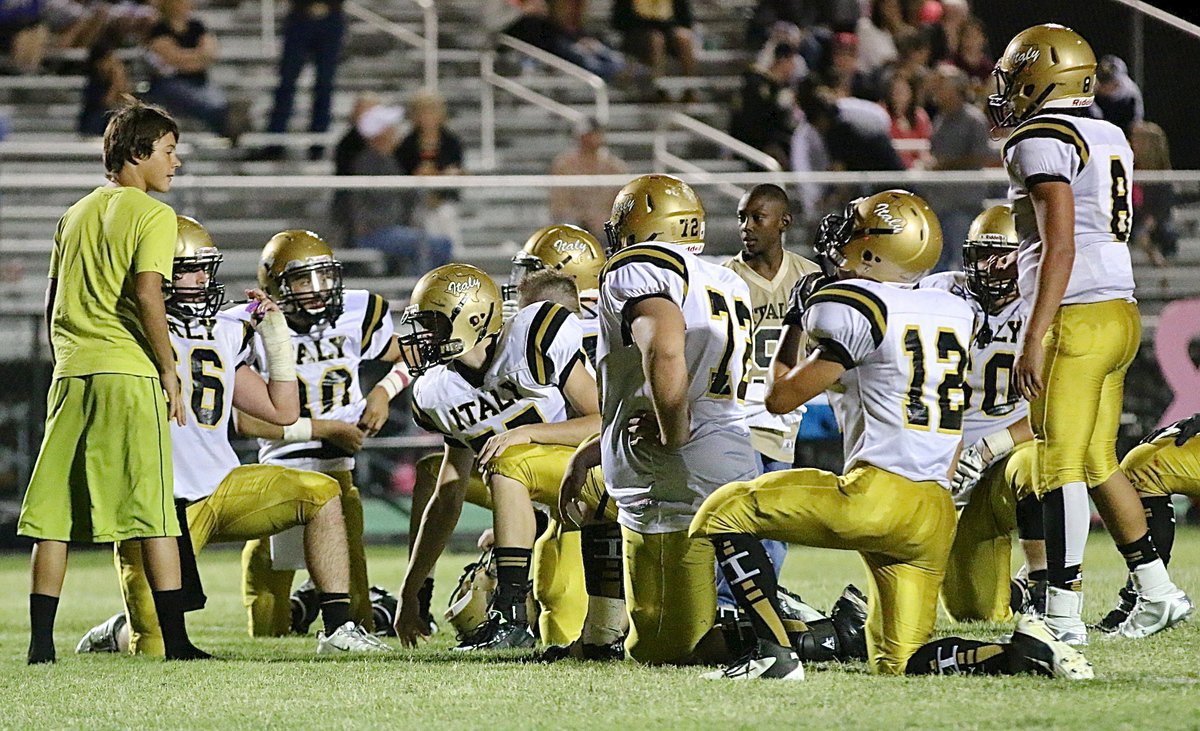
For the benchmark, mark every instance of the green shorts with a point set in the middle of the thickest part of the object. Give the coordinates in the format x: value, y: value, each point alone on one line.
x: 104, y: 471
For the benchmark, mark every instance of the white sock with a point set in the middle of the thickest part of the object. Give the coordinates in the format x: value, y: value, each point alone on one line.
x: 607, y: 621
x: 1077, y: 515
x: 1152, y: 580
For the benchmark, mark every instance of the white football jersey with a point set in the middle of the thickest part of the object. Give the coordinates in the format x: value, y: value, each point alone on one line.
x: 659, y: 490
x: 993, y: 402
x: 772, y: 434
x: 208, y: 354
x: 902, y: 399
x: 589, y: 322
x: 522, y: 383
x: 327, y: 361
x: 1094, y: 157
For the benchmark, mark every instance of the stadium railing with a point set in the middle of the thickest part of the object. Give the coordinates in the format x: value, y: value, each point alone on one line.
x: 665, y: 161
x: 426, y: 41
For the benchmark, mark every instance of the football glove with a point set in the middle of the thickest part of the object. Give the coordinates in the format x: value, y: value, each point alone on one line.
x: 805, y: 287
x: 508, y: 308
x: 1184, y: 430
x: 971, y: 465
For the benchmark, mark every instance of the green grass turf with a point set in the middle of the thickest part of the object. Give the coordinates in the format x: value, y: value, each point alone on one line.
x: 1150, y: 683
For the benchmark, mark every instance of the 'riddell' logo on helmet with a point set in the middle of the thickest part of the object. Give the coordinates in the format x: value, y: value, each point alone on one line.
x: 563, y: 246
x: 884, y: 212
x: 1029, y: 55
x: 460, y: 288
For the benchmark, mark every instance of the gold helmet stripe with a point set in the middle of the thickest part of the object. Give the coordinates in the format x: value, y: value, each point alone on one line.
x: 864, y: 302
x: 376, y: 307
x: 548, y: 320
x: 648, y: 254
x: 1055, y: 129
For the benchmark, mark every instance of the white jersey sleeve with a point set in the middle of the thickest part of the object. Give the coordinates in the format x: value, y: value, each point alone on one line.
x: 554, y: 343
x: 846, y: 322
x: 377, y: 327
x: 646, y: 273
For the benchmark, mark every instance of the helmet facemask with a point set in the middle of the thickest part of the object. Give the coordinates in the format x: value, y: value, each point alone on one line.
x: 833, y: 234
x: 993, y: 286
x: 999, y: 106
x: 425, y: 339
x: 199, y: 302
x: 523, y: 264
x: 311, y: 292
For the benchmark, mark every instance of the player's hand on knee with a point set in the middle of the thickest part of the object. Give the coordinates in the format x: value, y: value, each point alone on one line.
x: 967, y: 473
x: 1028, y: 369
x: 347, y: 437
x: 570, y: 505
x: 495, y: 446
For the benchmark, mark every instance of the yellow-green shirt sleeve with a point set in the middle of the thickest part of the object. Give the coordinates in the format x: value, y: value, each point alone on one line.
x: 156, y: 242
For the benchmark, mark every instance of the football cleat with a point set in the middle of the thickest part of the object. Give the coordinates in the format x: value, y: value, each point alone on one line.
x: 350, y: 637
x: 1063, y: 616
x: 1126, y: 599
x: 498, y: 633
x: 1039, y: 651
x: 103, y: 637
x: 791, y: 606
x: 612, y: 652
x: 1151, y: 616
x: 849, y: 615
x: 766, y: 660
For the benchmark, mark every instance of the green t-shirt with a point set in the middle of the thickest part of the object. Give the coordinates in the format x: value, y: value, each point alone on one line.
x: 102, y: 243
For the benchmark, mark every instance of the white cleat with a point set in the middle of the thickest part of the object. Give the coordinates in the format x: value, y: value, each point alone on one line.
x: 1044, y: 654
x: 1150, y: 616
x: 349, y: 638
x: 102, y: 637
x: 1064, y: 616
x: 768, y: 660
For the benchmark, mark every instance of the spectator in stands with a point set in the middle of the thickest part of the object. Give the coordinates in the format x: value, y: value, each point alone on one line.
x: 1118, y: 97
x: 960, y: 141
x: 587, y: 207
x: 651, y: 28
x: 947, y: 29
x: 181, y: 51
x: 106, y: 89
x: 877, y: 32
x: 432, y: 149
x: 909, y: 121
x: 973, y: 57
x: 382, y: 219
x: 1153, y: 226
x: 913, y: 62
x: 569, y: 14
x: 344, y: 155
x: 312, y: 31
x: 843, y: 75
x: 23, y: 36
x: 537, y: 27
x: 820, y: 17
x: 764, y: 112
x: 854, y: 139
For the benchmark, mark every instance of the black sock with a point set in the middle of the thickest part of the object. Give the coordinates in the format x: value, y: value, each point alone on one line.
x: 335, y: 610
x: 1139, y: 552
x: 1160, y: 518
x: 425, y: 599
x: 169, y: 605
x: 42, y: 610
x: 1029, y: 519
x: 1058, y: 573
x: 1037, y: 576
x: 512, y: 581
x: 751, y: 576
x: 954, y: 655
x: 603, y: 564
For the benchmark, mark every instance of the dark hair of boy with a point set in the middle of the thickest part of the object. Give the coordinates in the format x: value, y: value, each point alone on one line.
x: 132, y: 132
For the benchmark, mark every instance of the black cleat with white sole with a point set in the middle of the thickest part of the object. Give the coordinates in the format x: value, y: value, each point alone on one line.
x: 767, y: 660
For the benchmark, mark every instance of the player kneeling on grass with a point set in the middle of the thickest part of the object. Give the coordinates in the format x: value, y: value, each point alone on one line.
x: 221, y: 500
x: 514, y: 398
x: 893, y: 359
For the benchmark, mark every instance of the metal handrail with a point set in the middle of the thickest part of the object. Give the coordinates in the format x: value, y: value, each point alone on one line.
x: 427, y: 40
x: 492, y: 81
x: 664, y: 160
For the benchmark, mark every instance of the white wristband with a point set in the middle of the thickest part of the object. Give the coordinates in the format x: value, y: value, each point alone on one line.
x: 301, y: 431
x: 998, y: 445
x: 395, y: 381
x: 277, y: 342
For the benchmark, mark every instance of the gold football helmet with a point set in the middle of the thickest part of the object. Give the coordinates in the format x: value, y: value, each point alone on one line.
x: 453, y: 308
x: 891, y: 236
x: 298, y: 270
x: 656, y: 208
x: 194, y: 252
x: 1047, y: 66
x: 562, y: 247
x: 993, y: 233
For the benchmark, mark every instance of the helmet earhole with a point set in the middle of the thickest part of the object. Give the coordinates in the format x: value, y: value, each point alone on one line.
x: 1027, y: 90
x: 867, y: 255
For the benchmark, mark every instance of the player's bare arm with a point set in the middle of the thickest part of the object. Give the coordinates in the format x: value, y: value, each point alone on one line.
x: 152, y: 312
x: 803, y: 382
x: 276, y: 402
x: 657, y: 327
x: 1054, y: 206
x: 51, y: 292
x: 379, y: 400
x: 347, y: 437
x: 584, y: 459
x: 437, y: 525
x: 581, y: 393
x: 786, y: 354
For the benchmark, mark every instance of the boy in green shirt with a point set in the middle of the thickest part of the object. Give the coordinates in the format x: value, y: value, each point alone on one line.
x: 104, y: 470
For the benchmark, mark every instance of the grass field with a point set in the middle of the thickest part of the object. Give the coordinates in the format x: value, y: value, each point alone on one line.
x: 1148, y: 683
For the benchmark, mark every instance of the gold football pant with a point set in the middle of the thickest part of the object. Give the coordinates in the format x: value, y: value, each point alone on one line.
x: 266, y: 592
x: 1161, y: 468
x: 1088, y: 350
x: 671, y: 595
x: 980, y: 568
x: 902, y: 529
x: 477, y: 493
x: 252, y: 502
x: 558, y: 584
